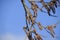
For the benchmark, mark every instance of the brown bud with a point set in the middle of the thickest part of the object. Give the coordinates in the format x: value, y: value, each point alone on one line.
x: 40, y: 26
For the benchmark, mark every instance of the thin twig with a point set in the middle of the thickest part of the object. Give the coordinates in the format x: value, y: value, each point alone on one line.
x: 25, y: 13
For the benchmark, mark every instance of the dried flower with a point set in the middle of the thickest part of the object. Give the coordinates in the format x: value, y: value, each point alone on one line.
x: 51, y: 29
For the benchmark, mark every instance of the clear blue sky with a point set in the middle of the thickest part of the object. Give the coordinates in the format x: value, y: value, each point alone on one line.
x: 12, y: 19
